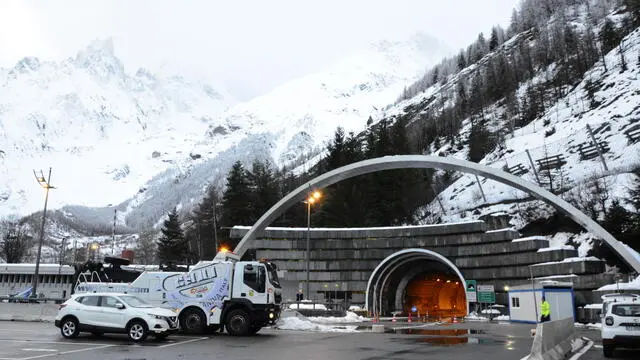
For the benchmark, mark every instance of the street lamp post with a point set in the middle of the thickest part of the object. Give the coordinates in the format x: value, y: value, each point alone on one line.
x: 310, y: 200
x: 46, y: 184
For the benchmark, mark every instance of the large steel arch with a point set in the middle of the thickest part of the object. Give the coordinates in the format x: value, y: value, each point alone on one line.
x: 430, y: 162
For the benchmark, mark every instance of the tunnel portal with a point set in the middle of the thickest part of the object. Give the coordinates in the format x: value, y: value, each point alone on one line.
x: 417, y: 281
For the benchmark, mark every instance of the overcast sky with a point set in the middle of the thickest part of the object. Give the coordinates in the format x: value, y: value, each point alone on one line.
x: 249, y: 45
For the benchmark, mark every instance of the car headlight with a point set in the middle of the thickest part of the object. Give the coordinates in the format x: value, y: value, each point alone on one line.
x: 608, y: 320
x: 156, y: 316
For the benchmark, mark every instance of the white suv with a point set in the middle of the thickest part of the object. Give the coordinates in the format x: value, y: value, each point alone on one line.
x: 620, y: 322
x: 100, y: 313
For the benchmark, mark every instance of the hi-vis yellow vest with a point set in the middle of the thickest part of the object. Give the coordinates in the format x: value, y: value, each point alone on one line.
x: 546, y: 308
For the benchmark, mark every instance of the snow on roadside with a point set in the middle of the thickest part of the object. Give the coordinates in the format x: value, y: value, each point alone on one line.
x: 351, y: 317
x: 593, y: 326
x: 303, y: 324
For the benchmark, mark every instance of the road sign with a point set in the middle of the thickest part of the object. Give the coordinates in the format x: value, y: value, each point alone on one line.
x: 486, y: 294
x: 471, y: 290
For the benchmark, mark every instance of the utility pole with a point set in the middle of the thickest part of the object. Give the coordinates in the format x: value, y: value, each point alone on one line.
x: 215, y: 222
x: 62, y: 250
x: 46, y: 184
x: 533, y: 287
x: 113, y: 232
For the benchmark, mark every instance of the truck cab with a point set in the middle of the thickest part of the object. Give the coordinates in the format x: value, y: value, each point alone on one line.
x: 255, y: 298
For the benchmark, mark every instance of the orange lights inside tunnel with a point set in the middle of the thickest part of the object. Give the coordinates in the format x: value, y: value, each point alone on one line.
x: 435, y: 295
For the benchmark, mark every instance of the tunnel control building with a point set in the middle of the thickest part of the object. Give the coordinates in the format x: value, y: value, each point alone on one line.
x: 342, y: 262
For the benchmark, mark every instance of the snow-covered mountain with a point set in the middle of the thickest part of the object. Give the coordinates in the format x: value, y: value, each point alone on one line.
x: 146, y: 144
x: 290, y: 123
x: 104, y: 131
x: 305, y: 112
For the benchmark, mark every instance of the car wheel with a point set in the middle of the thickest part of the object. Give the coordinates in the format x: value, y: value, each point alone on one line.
x: 238, y: 322
x: 193, y: 321
x: 607, y: 350
x: 69, y: 328
x: 137, y: 331
x: 254, y: 329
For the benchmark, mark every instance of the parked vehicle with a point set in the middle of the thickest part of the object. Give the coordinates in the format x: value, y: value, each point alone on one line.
x: 620, y: 322
x: 225, y: 293
x: 100, y: 313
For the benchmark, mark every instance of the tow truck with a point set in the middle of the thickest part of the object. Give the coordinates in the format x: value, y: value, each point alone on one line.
x: 224, y: 293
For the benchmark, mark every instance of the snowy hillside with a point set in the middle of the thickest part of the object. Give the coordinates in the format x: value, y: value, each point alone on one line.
x: 562, y: 130
x: 103, y: 130
x: 555, y: 130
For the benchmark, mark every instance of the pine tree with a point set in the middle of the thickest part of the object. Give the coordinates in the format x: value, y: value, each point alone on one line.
x: 480, y: 141
x: 264, y: 189
x: 609, y: 36
x: 236, y: 200
x: 172, y: 247
x: 204, y: 232
x: 462, y: 62
x: 493, y: 41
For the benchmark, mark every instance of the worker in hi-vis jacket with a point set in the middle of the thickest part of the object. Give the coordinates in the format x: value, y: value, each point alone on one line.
x: 546, y: 310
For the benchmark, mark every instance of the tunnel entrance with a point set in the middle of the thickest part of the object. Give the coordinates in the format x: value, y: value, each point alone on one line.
x: 417, y: 281
x: 435, y: 295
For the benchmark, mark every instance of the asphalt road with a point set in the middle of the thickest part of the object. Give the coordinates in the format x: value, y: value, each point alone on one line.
x: 595, y: 353
x: 25, y: 341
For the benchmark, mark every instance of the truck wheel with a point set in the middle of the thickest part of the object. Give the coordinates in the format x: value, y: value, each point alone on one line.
x: 607, y: 350
x: 238, y: 323
x: 193, y: 321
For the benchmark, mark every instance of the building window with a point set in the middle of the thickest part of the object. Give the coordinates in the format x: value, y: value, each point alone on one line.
x: 515, y: 302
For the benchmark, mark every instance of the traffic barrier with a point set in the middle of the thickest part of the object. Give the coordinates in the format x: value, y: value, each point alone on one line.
x: 552, y: 340
x: 28, y: 312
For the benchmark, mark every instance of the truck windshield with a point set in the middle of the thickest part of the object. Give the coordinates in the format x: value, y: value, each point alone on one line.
x: 273, y: 275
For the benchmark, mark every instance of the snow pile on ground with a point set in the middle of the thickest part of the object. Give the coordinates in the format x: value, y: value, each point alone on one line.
x: 593, y: 306
x: 303, y: 324
x: 473, y: 316
x: 502, y: 318
x: 595, y: 326
x: 307, y: 306
x: 490, y: 311
x: 351, y: 317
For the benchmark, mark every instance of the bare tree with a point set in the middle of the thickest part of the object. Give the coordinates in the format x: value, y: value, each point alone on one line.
x: 15, y: 241
x: 591, y: 197
x: 146, y: 248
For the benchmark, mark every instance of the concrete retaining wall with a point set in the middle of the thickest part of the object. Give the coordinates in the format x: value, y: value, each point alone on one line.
x: 28, y: 312
x: 553, y: 340
x: 347, y: 257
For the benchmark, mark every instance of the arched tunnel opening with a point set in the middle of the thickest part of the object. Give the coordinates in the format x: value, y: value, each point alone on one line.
x: 417, y: 282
